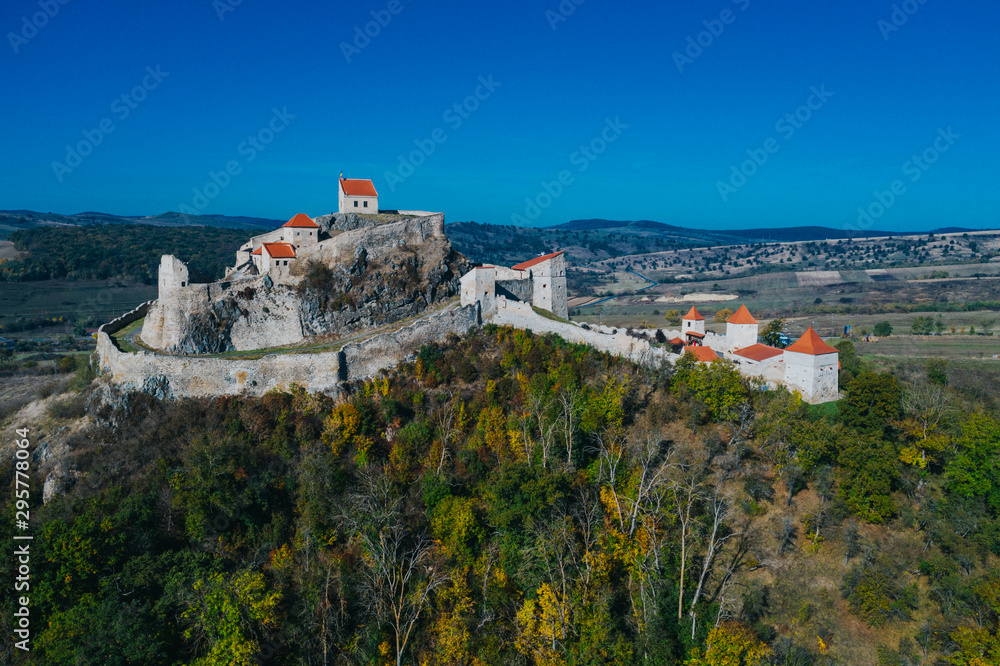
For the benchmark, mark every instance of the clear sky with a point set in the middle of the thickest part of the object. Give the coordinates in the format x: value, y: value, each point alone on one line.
x: 663, y: 120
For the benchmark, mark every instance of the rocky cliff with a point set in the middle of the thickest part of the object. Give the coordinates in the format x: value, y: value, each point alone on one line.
x: 322, y: 297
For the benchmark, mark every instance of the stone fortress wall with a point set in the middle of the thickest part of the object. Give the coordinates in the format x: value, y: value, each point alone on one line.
x: 168, y: 376
x: 614, y: 341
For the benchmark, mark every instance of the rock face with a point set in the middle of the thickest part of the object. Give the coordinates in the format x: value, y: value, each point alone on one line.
x: 369, y: 293
x: 351, y: 221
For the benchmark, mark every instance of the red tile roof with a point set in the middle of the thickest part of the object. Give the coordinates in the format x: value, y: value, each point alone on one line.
x: 280, y: 250
x: 742, y: 316
x: 702, y: 354
x: 694, y: 315
x: 810, y: 343
x: 758, y: 352
x: 301, y: 221
x: 358, y: 187
x: 257, y: 251
x: 534, y: 262
x: 676, y: 341
x: 695, y: 334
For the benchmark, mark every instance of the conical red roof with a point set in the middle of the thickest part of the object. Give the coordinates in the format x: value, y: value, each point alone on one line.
x: 301, y: 220
x: 694, y: 315
x: 810, y: 343
x: 742, y: 316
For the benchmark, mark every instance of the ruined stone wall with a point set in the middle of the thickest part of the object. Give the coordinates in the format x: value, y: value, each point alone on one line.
x: 521, y: 290
x: 521, y: 315
x: 195, y: 377
x: 169, y: 318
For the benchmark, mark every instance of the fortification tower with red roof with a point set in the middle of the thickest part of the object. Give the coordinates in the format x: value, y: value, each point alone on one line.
x: 812, y: 368
x: 693, y: 322
x: 742, y: 329
x: 548, y: 276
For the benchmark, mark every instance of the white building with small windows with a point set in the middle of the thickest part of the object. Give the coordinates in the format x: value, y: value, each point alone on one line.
x: 357, y: 195
x: 299, y: 232
x: 540, y: 281
x: 274, y: 258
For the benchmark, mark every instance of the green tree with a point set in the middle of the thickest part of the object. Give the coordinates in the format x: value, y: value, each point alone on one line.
x: 922, y: 325
x: 868, y: 472
x: 874, y: 402
x: 883, y: 329
x: 974, y: 470
x: 937, y: 371
x: 874, y: 595
x: 229, y: 614
x: 673, y: 317
x: 718, y: 385
x: 773, y: 332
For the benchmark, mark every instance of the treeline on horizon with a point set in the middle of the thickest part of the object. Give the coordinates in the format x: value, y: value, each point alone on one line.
x: 509, y: 498
x: 124, y: 252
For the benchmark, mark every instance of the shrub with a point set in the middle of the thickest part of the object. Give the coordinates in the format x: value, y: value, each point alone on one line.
x: 875, y: 596
x: 883, y: 329
x: 73, y: 407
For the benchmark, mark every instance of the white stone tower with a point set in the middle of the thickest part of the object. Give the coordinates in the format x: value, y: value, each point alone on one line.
x: 812, y: 368
x: 548, y: 276
x: 693, y: 322
x: 742, y: 329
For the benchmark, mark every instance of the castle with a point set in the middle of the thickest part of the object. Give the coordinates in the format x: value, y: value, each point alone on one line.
x: 809, y: 366
x: 257, y: 306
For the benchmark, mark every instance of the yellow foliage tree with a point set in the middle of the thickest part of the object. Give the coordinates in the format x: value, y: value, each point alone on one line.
x: 731, y: 644
x: 228, y: 615
x: 542, y: 623
x: 493, y: 430
x: 976, y: 647
x: 341, y: 427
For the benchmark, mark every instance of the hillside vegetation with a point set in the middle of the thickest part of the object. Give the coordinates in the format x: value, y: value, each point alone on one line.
x: 129, y: 252
x: 508, y: 498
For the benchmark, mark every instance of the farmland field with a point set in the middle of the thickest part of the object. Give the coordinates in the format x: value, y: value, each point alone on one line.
x: 101, y: 300
x: 952, y: 347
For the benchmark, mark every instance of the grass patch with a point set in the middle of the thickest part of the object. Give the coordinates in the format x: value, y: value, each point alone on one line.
x: 827, y: 410
x: 120, y: 337
x: 548, y: 315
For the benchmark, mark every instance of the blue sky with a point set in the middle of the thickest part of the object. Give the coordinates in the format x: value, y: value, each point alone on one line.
x: 674, y: 126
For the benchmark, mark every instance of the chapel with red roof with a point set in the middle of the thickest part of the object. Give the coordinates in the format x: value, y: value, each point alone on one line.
x: 357, y: 195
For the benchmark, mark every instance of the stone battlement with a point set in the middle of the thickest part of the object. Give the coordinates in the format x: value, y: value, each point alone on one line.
x: 168, y: 376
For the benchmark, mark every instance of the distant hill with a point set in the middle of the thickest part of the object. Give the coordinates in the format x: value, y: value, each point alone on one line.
x: 767, y: 235
x: 16, y: 220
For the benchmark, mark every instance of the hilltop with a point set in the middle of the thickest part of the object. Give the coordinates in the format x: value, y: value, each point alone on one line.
x: 17, y: 220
